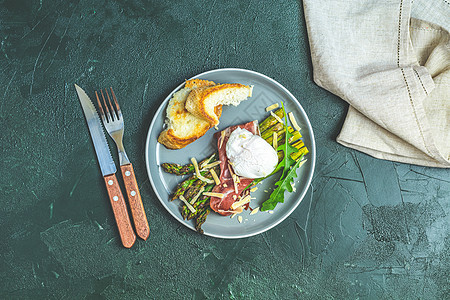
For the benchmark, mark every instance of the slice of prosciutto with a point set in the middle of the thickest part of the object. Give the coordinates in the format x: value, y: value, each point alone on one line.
x: 226, y: 186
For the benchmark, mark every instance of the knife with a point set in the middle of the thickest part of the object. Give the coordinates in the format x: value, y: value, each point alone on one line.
x: 108, y: 169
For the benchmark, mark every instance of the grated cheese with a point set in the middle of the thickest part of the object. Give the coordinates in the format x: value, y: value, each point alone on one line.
x: 235, y: 212
x: 275, y: 140
x: 197, y: 172
x: 225, y: 185
x: 189, y: 206
x: 241, y: 202
x: 238, y: 210
x: 238, y: 179
x: 254, y: 211
x: 277, y: 117
x: 253, y: 189
x: 230, y: 169
x: 211, y: 165
x: 302, y: 162
x: 214, y: 175
x: 272, y: 107
x: 293, y: 121
x: 234, y: 197
x: 235, y: 183
x: 222, y: 137
x: 198, y: 195
x: 205, y: 163
x: 240, y: 219
x: 211, y: 194
x: 294, y: 189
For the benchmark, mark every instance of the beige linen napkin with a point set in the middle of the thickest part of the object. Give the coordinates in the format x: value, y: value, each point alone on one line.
x: 393, y: 70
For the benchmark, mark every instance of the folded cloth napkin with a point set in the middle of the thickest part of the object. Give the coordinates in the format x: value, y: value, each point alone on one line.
x: 393, y: 70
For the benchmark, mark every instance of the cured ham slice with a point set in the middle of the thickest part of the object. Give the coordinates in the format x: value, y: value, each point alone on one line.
x: 227, y: 185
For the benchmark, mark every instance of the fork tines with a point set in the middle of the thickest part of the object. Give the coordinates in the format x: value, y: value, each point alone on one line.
x: 115, y: 113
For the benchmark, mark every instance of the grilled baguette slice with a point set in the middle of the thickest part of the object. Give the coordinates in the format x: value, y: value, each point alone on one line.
x: 202, y: 101
x: 183, y: 127
x: 198, y: 83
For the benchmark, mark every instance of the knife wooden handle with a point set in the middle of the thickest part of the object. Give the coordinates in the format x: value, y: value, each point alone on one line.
x: 120, y: 211
x: 135, y: 201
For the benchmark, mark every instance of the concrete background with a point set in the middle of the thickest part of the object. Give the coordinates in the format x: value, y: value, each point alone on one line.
x: 367, y: 228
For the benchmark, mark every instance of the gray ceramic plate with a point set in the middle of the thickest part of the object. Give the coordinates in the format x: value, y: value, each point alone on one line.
x: 266, y: 92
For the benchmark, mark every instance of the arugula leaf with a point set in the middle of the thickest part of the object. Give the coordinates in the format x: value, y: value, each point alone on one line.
x: 289, y: 167
x: 283, y: 184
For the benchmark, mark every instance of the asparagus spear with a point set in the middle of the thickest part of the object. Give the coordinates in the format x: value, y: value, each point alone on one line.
x: 178, y: 169
x: 302, y: 150
x: 295, y: 136
x: 268, y: 134
x: 270, y: 121
x: 199, y: 205
x: 183, y: 186
x: 201, y: 202
x: 280, y: 134
x: 201, y: 219
x: 193, y: 190
x: 185, y: 212
x: 295, y: 155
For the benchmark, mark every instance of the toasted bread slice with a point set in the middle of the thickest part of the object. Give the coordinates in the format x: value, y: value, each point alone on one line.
x: 183, y: 127
x: 198, y: 83
x: 202, y: 101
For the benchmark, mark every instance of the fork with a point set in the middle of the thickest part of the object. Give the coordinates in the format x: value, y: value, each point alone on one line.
x: 113, y: 122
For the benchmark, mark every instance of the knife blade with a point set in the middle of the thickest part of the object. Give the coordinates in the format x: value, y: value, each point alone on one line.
x: 108, y: 169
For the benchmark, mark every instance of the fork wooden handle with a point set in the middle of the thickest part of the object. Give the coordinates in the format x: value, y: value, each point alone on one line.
x: 135, y: 201
x: 120, y: 211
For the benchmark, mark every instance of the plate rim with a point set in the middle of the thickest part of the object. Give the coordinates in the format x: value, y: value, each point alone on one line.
x: 312, y: 152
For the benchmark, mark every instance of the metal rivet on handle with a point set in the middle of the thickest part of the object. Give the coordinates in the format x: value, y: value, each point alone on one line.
x: 127, y: 173
x: 110, y: 182
x: 133, y: 193
x: 115, y: 198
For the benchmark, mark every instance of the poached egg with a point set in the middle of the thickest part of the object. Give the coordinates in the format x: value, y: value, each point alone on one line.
x: 250, y: 155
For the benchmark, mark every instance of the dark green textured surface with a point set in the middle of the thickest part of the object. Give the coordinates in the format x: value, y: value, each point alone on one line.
x: 366, y: 229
